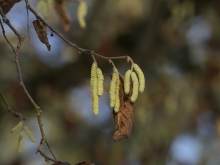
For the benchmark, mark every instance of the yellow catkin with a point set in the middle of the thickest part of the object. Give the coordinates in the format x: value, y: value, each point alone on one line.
x: 93, y: 73
x: 81, y: 13
x: 94, y: 86
x: 140, y: 75
x: 100, y: 82
x: 117, y: 98
x: 112, y: 89
x: 95, y: 105
x: 127, y: 82
x: 134, y: 80
x: 20, y: 141
x: 17, y: 127
x: 29, y: 133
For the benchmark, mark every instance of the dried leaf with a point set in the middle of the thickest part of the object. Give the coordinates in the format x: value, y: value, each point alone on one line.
x: 61, y: 163
x: 61, y: 10
x: 124, y: 118
x: 7, y: 5
x: 41, y: 31
x: 84, y: 163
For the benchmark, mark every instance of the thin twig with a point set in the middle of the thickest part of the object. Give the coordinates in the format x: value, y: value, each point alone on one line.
x: 28, y: 27
x: 15, y: 114
x: 16, y: 52
x: 3, y: 32
x: 28, y: 6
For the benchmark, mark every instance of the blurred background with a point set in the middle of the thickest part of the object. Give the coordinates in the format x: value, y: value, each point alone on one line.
x: 177, y: 118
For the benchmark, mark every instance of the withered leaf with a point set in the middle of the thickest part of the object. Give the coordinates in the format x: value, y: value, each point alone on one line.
x: 84, y: 163
x: 61, y: 10
x: 61, y: 163
x: 41, y: 31
x: 124, y: 118
x: 7, y: 5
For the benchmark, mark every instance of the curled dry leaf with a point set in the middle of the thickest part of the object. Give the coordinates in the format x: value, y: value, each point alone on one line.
x: 61, y: 163
x: 41, y: 31
x: 84, y: 163
x: 7, y: 5
x: 61, y: 10
x: 124, y: 118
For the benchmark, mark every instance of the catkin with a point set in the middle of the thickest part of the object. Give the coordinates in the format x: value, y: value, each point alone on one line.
x: 20, y: 141
x: 117, y: 98
x: 94, y: 86
x: 17, y: 127
x: 112, y: 89
x: 81, y: 13
x: 95, y: 105
x: 95, y: 98
x: 140, y: 75
x: 135, y: 87
x: 127, y: 82
x: 93, y: 73
x: 29, y: 133
x: 100, y: 81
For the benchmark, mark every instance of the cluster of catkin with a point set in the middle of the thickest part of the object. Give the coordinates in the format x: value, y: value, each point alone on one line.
x: 97, y: 80
x: 25, y: 129
x: 138, y: 81
x: 135, y: 77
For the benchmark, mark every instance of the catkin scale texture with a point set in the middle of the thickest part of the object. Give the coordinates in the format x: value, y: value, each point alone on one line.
x: 100, y: 82
x: 94, y: 86
x: 112, y: 89
x: 140, y: 75
x: 127, y: 82
x: 135, y: 87
x: 117, y: 99
x: 93, y: 74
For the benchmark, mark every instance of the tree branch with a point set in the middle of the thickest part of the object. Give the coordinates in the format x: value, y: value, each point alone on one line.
x: 16, y: 52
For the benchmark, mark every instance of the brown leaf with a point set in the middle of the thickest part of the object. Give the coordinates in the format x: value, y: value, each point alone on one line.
x: 61, y: 163
x: 84, y: 163
x: 41, y: 31
x: 7, y: 5
x: 124, y: 118
x: 61, y: 10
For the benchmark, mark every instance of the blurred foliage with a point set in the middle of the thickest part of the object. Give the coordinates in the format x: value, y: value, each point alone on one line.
x: 176, y: 43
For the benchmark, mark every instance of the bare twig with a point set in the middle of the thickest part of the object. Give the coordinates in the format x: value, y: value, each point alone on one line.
x: 28, y: 27
x: 28, y: 6
x: 16, y: 52
x: 15, y: 114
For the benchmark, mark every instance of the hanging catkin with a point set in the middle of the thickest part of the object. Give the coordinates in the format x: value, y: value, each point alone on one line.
x: 140, y: 75
x: 112, y: 88
x: 134, y: 80
x: 117, y: 99
x: 94, y: 86
x: 29, y: 133
x: 127, y: 82
x: 17, y: 127
x: 20, y: 141
x: 100, y: 82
